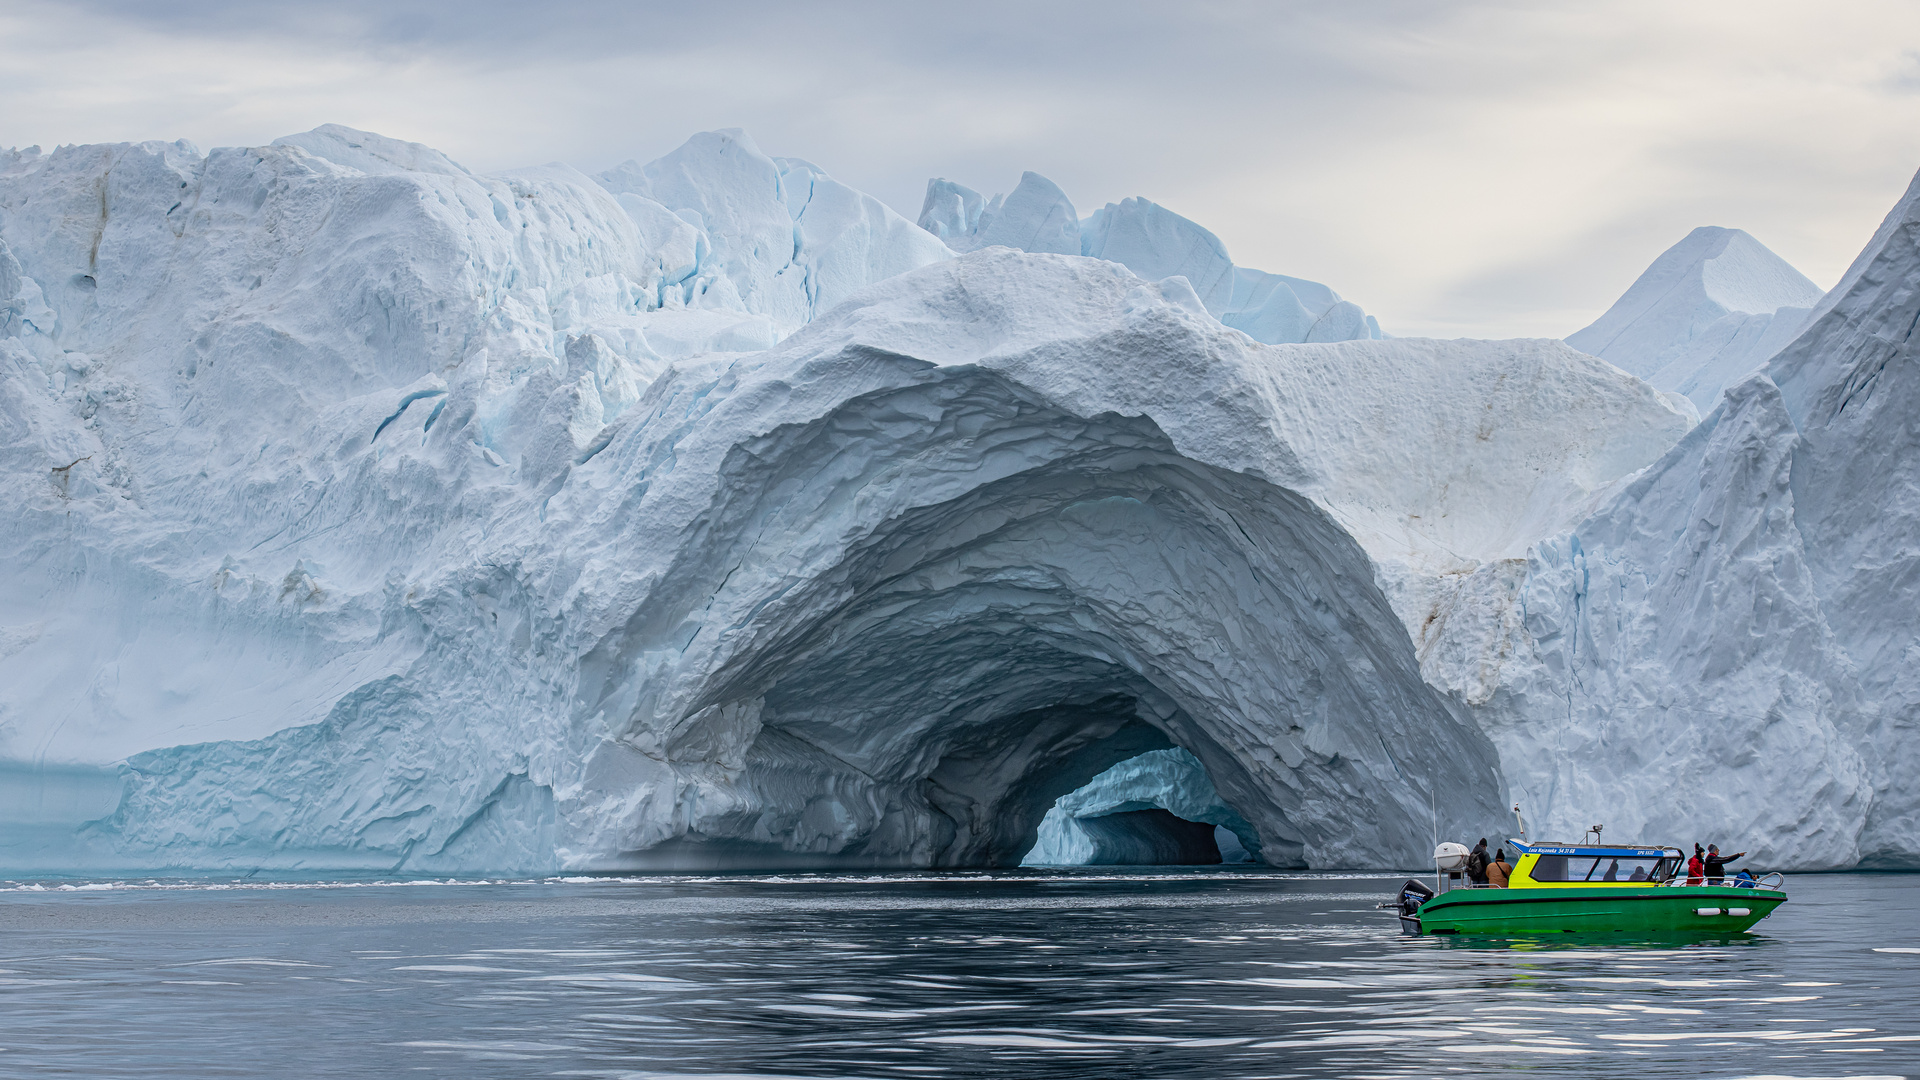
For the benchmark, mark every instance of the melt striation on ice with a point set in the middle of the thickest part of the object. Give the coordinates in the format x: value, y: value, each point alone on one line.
x: 1710, y: 310
x: 357, y: 510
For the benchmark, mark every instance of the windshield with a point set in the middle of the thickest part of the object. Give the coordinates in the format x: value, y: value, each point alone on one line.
x: 1604, y: 868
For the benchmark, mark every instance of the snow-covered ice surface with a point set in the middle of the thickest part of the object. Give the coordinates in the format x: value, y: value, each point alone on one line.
x: 358, y: 511
x: 1710, y: 310
x: 1153, y: 242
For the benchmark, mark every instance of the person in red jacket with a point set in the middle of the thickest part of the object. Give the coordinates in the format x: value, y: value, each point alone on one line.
x: 1697, y: 867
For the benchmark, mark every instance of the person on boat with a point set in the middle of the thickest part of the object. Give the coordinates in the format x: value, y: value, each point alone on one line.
x: 1746, y: 880
x: 1716, y: 864
x: 1498, y: 872
x: 1697, y: 866
x: 1613, y: 871
x: 1477, y: 863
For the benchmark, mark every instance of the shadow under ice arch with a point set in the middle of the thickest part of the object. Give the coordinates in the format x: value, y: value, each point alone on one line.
x: 955, y: 602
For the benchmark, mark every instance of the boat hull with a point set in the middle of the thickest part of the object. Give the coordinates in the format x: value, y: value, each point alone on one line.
x: 1701, y: 909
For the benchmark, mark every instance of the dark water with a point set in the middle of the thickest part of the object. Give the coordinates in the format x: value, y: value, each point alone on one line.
x: 1090, y: 974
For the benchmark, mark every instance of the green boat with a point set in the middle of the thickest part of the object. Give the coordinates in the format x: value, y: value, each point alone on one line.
x: 1588, y: 889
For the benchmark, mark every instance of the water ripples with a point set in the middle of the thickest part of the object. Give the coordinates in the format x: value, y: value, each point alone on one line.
x: 1248, y: 974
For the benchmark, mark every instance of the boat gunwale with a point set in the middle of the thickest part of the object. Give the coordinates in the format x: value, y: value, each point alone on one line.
x: 1600, y: 892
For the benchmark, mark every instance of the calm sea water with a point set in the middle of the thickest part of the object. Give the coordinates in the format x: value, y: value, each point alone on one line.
x: 1203, y: 973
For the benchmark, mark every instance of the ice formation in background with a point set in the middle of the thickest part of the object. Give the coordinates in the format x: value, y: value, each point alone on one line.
x: 1710, y: 310
x: 776, y: 238
x: 1153, y: 242
x: 1036, y: 217
x: 1111, y: 821
x: 360, y: 511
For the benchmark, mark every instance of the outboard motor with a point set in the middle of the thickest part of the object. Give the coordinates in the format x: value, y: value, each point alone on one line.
x: 1412, y: 895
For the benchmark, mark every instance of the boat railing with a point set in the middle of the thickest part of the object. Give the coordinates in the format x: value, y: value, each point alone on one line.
x: 1774, y: 881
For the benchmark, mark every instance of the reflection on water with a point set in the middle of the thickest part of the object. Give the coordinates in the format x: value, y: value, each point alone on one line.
x: 1047, y: 974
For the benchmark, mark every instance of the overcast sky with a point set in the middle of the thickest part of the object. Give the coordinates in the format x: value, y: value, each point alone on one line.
x: 1493, y: 168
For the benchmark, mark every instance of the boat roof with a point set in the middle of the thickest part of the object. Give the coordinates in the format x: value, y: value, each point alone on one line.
x: 1602, y: 851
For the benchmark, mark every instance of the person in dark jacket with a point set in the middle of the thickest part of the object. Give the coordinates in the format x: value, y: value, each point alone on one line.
x: 1716, y: 864
x: 1477, y: 863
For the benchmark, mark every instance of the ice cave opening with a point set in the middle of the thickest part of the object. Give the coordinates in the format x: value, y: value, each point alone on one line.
x: 1083, y: 595
x: 1156, y: 809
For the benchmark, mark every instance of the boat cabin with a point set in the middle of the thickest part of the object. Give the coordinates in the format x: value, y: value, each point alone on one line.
x: 1548, y: 865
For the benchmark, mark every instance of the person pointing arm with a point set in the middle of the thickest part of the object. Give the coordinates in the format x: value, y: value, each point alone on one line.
x: 1716, y: 863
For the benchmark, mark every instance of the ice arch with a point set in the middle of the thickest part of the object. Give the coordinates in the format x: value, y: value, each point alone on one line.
x: 1158, y: 808
x: 879, y: 595
x: 967, y: 660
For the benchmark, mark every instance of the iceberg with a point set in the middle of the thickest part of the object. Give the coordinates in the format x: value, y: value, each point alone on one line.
x: 1711, y: 309
x: 1848, y: 384
x: 1155, y: 243
x: 1036, y: 216
x: 1727, y: 640
x: 361, y: 511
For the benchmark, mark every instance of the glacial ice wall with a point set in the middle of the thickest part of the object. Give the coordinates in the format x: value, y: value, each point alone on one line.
x: 224, y: 351
x: 1725, y: 645
x: 360, y: 511
x: 239, y: 375
x: 1850, y: 383
x: 1710, y: 310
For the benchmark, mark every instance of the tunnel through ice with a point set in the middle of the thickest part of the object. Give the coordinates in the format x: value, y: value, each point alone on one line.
x: 1158, y: 808
x: 951, y: 604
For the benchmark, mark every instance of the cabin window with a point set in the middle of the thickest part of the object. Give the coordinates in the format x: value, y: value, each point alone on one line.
x: 1605, y: 868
